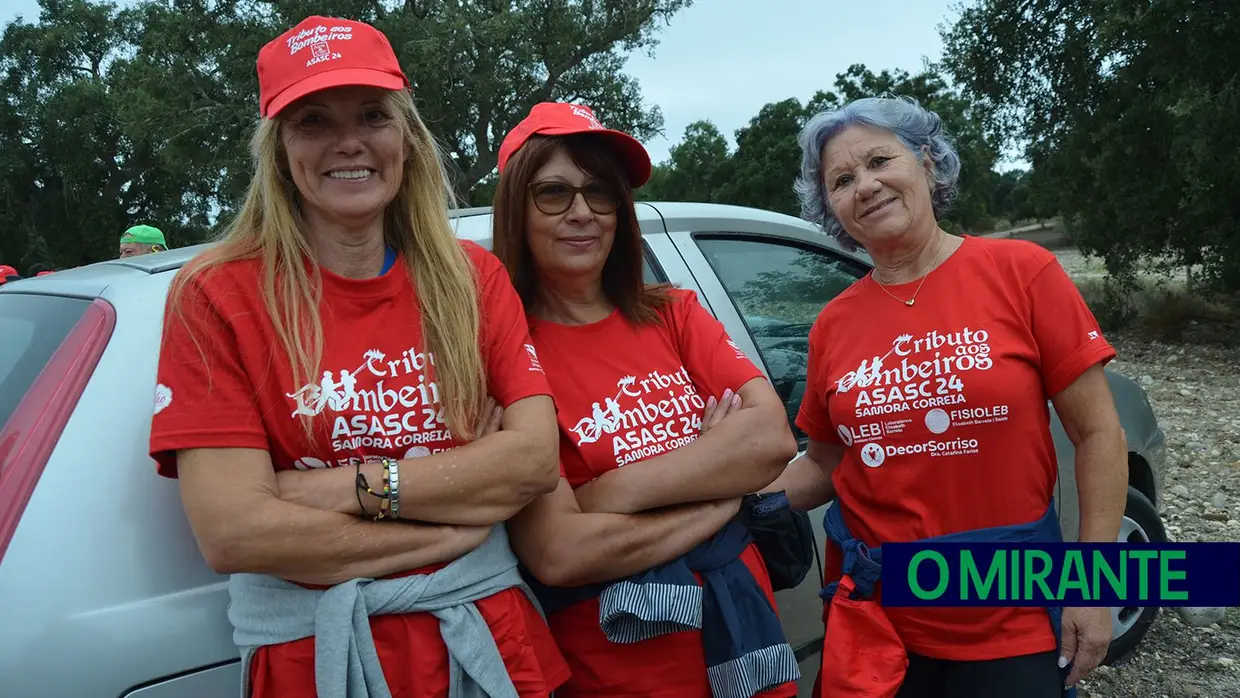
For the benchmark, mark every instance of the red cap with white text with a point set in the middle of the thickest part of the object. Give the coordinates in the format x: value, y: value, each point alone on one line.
x: 320, y: 53
x: 562, y: 119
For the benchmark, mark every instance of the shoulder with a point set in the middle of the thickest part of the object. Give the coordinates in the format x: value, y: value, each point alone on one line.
x: 483, y: 259
x: 1014, y: 259
x: 487, y: 269
x: 212, y: 303
x: 205, y: 280
x: 683, y: 297
x: 847, y: 304
x: 683, y: 304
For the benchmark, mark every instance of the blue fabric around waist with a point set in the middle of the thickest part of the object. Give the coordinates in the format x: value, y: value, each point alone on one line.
x: 744, y: 645
x: 864, y: 564
x: 389, y: 258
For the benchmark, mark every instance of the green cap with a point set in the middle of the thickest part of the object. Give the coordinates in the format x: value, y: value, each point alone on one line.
x: 144, y: 234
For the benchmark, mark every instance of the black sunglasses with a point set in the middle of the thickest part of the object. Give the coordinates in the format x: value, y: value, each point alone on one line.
x: 554, y: 198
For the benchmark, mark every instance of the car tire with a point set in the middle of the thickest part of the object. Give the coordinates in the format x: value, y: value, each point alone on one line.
x: 1141, y: 524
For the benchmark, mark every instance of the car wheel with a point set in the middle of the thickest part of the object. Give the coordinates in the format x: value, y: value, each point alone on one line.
x: 1129, y: 624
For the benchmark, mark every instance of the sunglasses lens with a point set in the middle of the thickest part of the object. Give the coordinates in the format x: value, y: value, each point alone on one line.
x: 553, y: 198
x: 599, y: 199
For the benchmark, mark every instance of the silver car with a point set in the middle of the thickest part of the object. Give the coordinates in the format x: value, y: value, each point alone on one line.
x: 103, y: 591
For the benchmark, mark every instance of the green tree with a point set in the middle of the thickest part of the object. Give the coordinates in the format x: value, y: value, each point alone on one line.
x: 761, y: 171
x: 112, y: 117
x: 696, y: 169
x: 1016, y: 196
x: 1128, y: 113
x: 767, y: 159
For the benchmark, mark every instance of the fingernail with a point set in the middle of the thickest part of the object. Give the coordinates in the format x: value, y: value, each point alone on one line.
x: 1063, y: 662
x: 727, y: 394
x: 711, y: 401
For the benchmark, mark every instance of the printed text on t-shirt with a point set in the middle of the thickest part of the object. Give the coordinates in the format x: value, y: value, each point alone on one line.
x: 383, y: 403
x: 645, y: 417
x: 917, y: 382
x: 924, y: 388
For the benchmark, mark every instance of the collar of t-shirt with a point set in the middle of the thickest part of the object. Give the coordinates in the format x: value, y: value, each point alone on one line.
x: 389, y: 258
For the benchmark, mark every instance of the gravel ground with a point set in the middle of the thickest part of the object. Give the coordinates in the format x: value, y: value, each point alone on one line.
x: 1195, y: 391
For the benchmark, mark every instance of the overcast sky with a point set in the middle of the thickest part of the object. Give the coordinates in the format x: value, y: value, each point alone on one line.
x: 723, y: 60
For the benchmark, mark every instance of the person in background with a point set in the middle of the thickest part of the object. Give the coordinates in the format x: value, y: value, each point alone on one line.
x: 323, y: 400
x: 140, y: 240
x: 8, y: 273
x: 990, y: 329
x: 664, y: 426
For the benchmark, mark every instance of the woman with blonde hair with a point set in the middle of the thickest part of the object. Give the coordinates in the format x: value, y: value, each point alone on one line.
x: 329, y: 395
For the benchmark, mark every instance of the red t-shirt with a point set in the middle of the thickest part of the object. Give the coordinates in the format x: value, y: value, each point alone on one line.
x: 225, y: 384
x: 626, y: 393
x: 943, y: 409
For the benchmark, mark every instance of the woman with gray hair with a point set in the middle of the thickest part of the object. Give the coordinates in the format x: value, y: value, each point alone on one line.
x: 926, y: 410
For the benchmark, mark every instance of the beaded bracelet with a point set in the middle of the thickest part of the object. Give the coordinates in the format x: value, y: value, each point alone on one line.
x: 385, y: 503
x: 362, y: 485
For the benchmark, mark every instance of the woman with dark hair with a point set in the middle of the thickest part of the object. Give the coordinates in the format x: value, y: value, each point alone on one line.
x: 664, y: 427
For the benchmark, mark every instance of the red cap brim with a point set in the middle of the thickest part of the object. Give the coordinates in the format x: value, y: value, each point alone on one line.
x: 636, y: 158
x: 330, y: 79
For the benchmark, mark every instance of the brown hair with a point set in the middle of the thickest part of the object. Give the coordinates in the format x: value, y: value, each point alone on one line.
x: 623, y: 285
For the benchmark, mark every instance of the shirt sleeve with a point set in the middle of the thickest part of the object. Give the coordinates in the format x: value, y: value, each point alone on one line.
x: 1068, y: 336
x: 203, y: 396
x: 814, y: 416
x: 513, y: 369
x: 714, y: 362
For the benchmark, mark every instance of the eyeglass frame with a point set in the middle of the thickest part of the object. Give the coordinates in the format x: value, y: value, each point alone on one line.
x: 573, y: 198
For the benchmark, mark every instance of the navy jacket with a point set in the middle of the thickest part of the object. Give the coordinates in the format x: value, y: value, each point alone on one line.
x: 746, y: 651
x: 865, y: 564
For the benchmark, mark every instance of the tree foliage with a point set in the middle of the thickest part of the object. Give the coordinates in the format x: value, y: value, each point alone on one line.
x: 113, y: 116
x: 1128, y: 113
x: 761, y: 170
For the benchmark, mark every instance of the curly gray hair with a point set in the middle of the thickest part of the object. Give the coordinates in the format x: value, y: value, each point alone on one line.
x: 915, y: 126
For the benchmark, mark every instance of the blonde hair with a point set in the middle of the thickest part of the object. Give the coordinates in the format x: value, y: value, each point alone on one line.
x: 269, y: 228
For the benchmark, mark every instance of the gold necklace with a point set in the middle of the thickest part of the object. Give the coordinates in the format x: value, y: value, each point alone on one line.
x: 909, y: 302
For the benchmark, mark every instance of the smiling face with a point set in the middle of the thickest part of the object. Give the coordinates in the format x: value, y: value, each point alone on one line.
x: 877, y: 188
x: 569, y: 236
x: 346, y: 153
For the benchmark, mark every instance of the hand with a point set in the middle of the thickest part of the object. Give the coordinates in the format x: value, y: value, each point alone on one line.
x: 1086, y: 636
x: 716, y: 410
x: 492, y: 417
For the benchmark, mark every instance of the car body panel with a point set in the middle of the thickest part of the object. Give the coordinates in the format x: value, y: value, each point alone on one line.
x: 136, y: 566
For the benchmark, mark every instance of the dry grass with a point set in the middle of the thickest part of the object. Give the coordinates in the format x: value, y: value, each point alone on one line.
x: 1167, y: 312
x: 1162, y: 307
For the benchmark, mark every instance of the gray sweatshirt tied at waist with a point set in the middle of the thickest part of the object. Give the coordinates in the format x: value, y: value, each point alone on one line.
x: 270, y: 611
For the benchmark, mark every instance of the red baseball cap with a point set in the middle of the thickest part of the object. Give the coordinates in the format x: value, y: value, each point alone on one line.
x: 321, y: 53
x: 562, y: 119
x: 6, y: 270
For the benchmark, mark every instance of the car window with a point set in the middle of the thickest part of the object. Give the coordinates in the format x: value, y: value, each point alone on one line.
x: 32, y: 328
x: 779, y: 288
x: 652, y: 273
